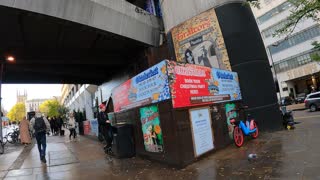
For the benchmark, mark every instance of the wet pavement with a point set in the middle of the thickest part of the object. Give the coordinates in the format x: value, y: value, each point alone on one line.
x: 288, y: 154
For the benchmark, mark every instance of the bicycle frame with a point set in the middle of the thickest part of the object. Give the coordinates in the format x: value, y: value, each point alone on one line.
x: 246, y: 130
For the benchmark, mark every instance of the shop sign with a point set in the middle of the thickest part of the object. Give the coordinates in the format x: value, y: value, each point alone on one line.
x: 193, y: 85
x: 151, y: 129
x: 199, y: 41
x: 201, y: 130
x: 148, y: 87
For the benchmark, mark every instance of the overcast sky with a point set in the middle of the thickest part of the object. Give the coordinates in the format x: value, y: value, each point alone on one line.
x: 9, y: 92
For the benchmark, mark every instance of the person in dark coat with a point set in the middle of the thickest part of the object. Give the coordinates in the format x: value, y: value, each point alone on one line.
x: 106, y: 129
x: 59, y: 123
x: 51, y: 125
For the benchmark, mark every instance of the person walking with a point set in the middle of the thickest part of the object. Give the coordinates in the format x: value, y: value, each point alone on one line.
x: 51, y: 126
x: 24, y: 132
x: 40, y: 126
x: 60, y: 122
x: 72, y: 126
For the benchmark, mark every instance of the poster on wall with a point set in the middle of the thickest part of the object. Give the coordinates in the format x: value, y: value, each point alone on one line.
x: 148, y: 87
x: 193, y: 85
x: 199, y: 41
x: 201, y: 130
x: 94, y: 129
x: 151, y: 129
x: 86, y: 127
x: 230, y: 114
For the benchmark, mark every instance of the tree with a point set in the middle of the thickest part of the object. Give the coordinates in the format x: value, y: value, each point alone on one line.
x: 315, y: 56
x: 63, y: 111
x: 17, y: 112
x: 51, y: 108
x: 302, y: 9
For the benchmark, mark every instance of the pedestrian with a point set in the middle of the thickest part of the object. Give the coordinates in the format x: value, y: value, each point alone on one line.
x: 106, y: 127
x: 24, y: 132
x: 72, y: 126
x: 51, y: 125
x: 60, y: 122
x: 55, y: 125
x: 40, y: 126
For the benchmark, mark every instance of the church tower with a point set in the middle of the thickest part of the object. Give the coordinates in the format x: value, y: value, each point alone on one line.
x: 21, y: 98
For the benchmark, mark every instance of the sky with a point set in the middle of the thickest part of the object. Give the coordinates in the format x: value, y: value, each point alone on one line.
x: 34, y: 91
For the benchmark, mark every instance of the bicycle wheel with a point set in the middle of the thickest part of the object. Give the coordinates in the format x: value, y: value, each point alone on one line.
x: 256, y: 134
x: 1, y: 147
x: 238, y: 136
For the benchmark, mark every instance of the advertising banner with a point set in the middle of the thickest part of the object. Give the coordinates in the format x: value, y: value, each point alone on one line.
x: 86, y: 127
x: 148, y: 87
x: 151, y: 129
x: 193, y: 85
x: 201, y: 130
x: 94, y: 129
x: 199, y: 41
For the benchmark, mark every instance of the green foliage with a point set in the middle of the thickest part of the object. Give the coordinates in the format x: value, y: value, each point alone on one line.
x: 17, y: 112
x: 316, y: 46
x: 302, y: 9
x: 52, y: 108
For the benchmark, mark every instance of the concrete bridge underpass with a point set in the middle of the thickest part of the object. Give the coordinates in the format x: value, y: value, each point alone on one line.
x: 73, y: 41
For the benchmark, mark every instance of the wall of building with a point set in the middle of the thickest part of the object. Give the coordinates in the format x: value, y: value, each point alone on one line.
x: 292, y: 54
x: 114, y: 16
x: 81, y: 99
x: 178, y: 11
x: 245, y: 49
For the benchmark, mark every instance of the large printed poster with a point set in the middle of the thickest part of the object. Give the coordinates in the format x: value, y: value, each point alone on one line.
x: 201, y: 130
x: 193, y: 85
x: 148, y: 87
x: 151, y: 129
x: 199, y: 41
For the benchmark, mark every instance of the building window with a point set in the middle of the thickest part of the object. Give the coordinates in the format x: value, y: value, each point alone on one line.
x: 294, y: 62
x: 296, y: 39
x: 271, y: 30
x: 282, y: 7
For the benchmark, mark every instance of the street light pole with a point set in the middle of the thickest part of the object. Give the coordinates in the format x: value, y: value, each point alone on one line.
x: 2, y: 64
x: 1, y: 73
x: 275, y: 72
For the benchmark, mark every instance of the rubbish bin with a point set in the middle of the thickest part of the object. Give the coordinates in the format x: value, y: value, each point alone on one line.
x: 123, y: 141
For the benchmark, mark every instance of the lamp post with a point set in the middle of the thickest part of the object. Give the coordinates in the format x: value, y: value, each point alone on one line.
x: 2, y: 63
x: 274, y: 69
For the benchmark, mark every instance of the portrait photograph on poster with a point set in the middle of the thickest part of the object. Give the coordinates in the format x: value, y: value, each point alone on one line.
x: 199, y: 41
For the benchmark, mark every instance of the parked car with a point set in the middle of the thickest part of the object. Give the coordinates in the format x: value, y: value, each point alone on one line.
x: 300, y: 98
x: 285, y: 101
x: 312, y: 101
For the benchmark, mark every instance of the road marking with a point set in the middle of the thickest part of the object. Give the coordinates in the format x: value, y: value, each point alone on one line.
x: 306, y: 117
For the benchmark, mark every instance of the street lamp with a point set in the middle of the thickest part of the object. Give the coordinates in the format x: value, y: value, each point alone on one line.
x: 274, y: 68
x: 2, y: 63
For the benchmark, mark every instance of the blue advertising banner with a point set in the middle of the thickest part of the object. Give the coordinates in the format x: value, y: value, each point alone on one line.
x: 148, y: 87
x: 94, y: 130
x: 226, y: 83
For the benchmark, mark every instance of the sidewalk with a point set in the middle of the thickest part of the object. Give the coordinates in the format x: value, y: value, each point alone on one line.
x: 296, y: 107
x: 281, y: 155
